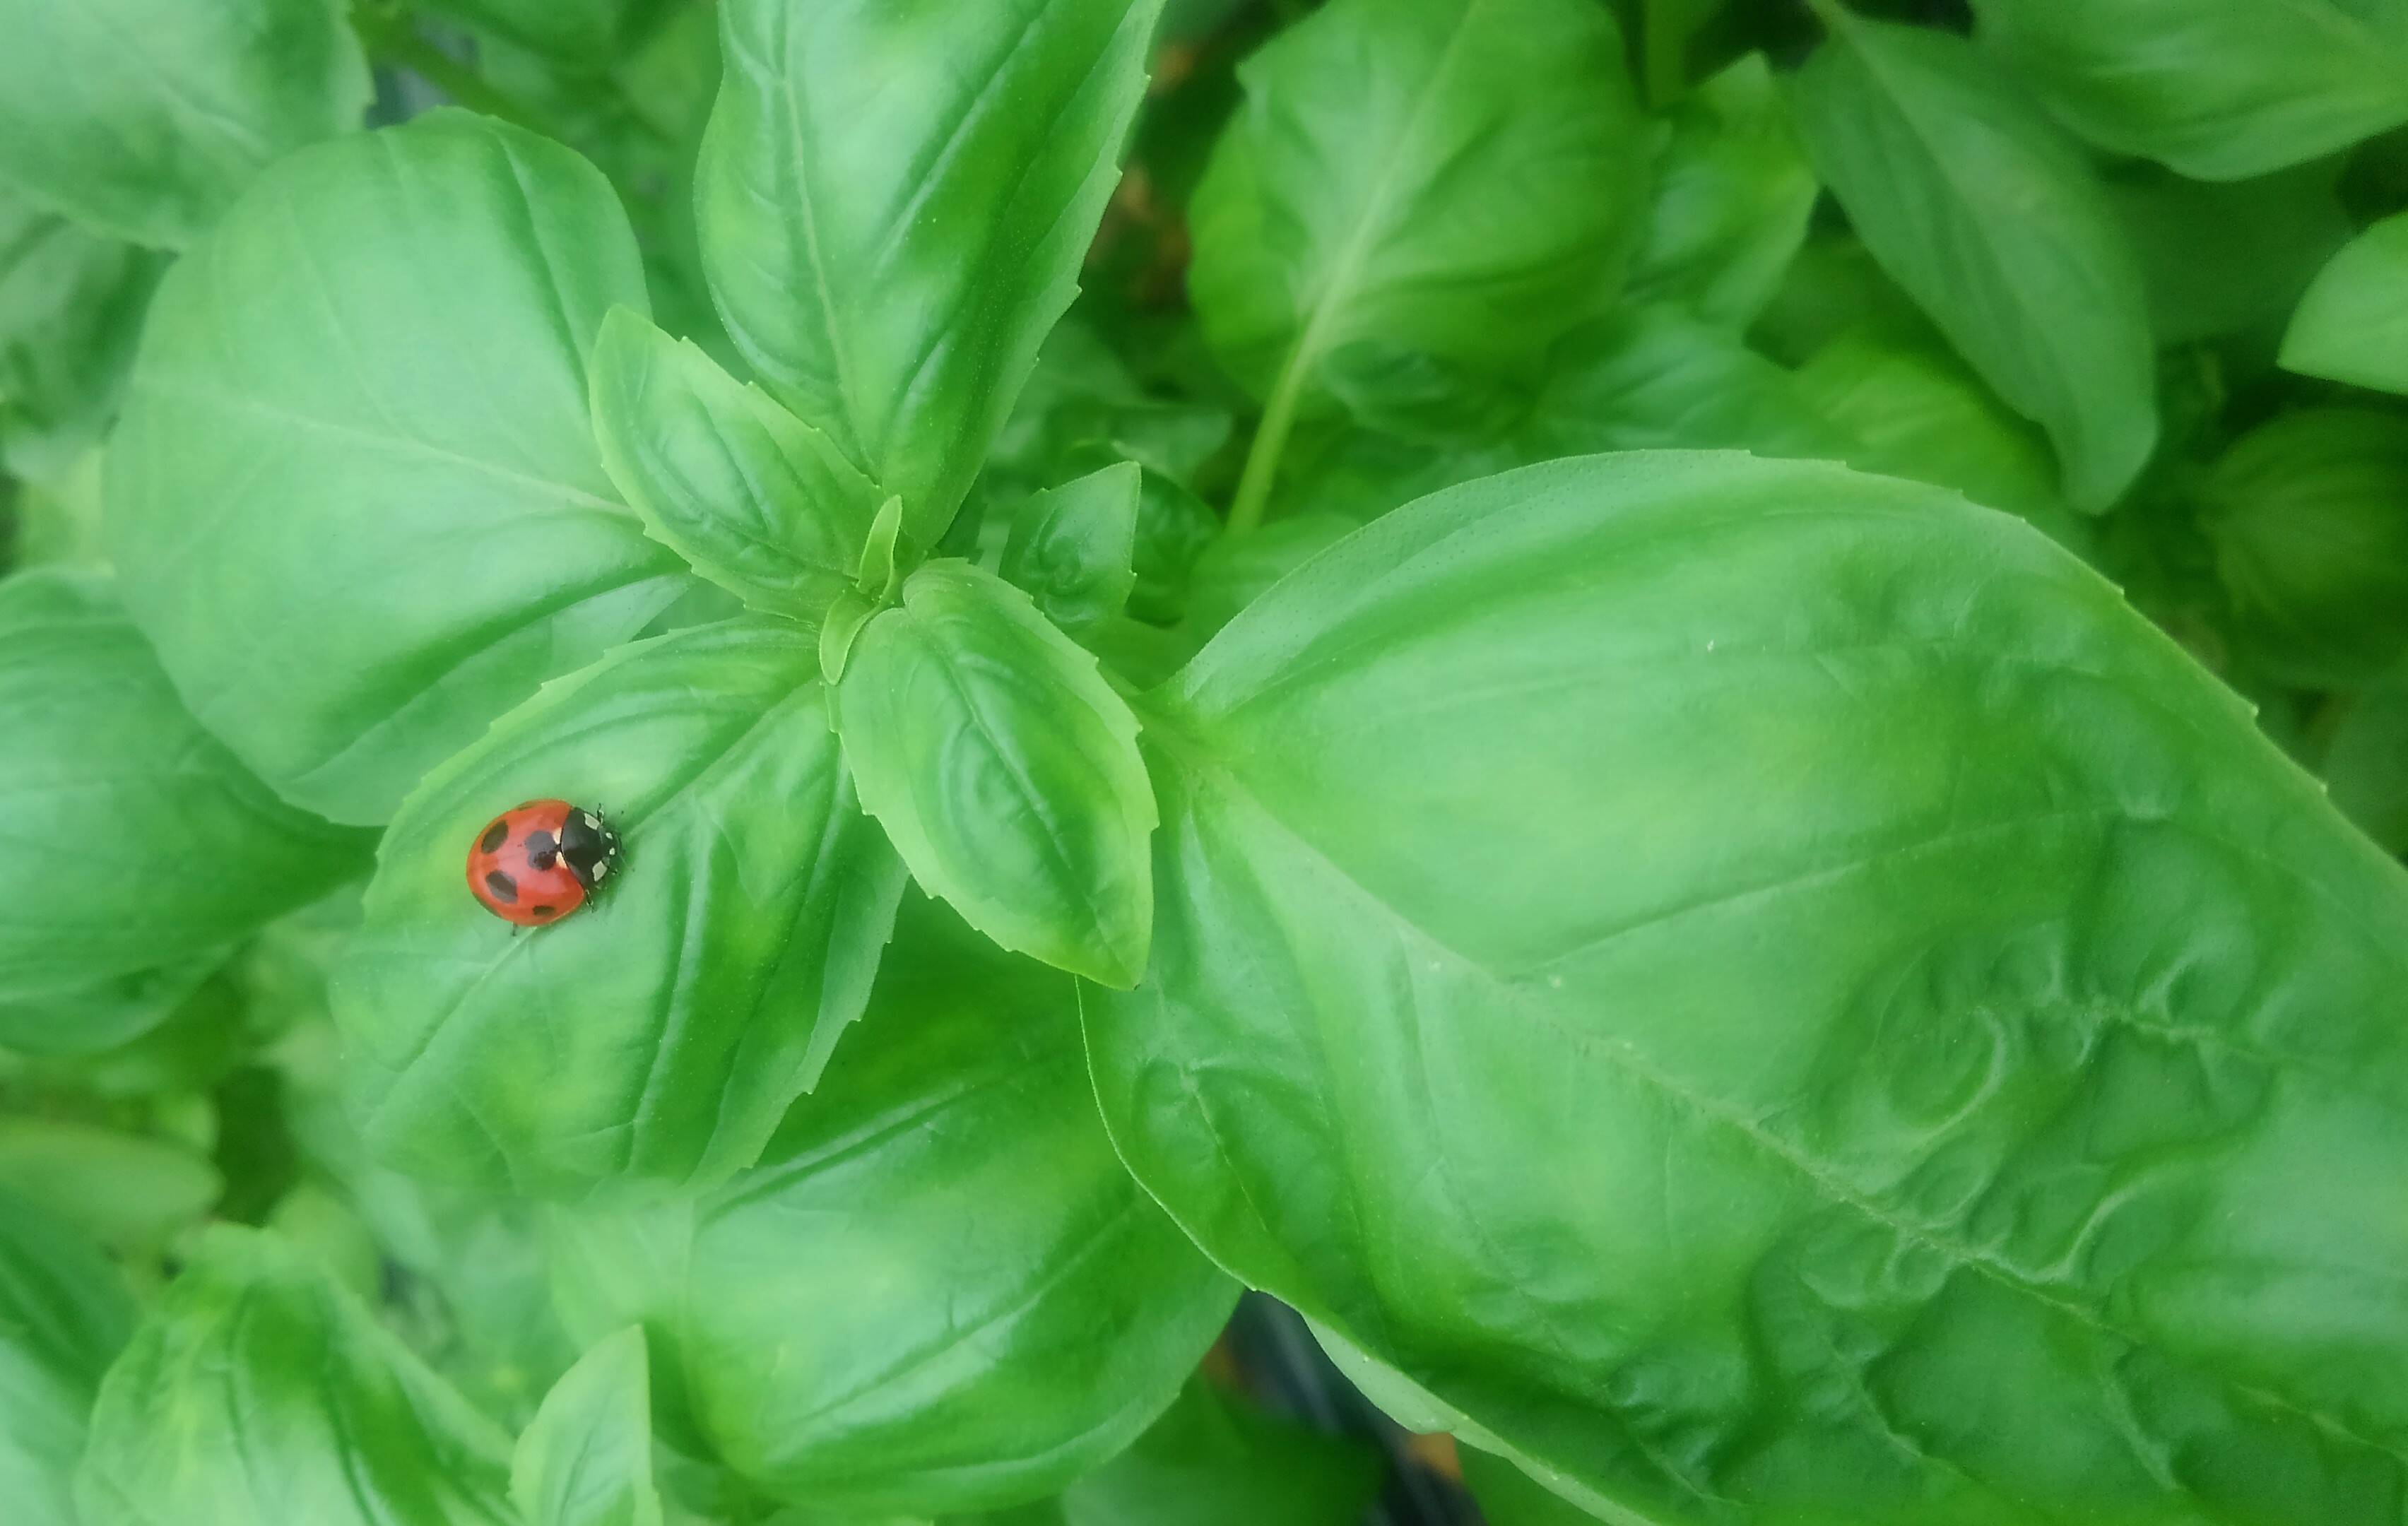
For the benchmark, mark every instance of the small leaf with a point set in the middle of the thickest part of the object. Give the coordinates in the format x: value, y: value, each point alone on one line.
x: 1005, y: 769
x: 356, y: 499
x: 879, y: 576
x: 257, y: 1389
x: 144, y: 119
x: 1988, y: 214
x: 894, y: 202
x: 64, y: 1314
x: 2217, y: 89
x: 587, y: 1460
x: 2353, y: 324
x: 1072, y: 549
x: 755, y: 500
x: 1731, y: 199
x: 71, y: 306
x: 656, y: 1034
x: 939, y: 1291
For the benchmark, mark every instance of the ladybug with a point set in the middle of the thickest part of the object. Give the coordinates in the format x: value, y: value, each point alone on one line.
x: 534, y: 865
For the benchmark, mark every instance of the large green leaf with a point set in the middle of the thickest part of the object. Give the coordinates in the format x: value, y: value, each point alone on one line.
x: 2308, y: 516
x: 64, y: 1316
x: 144, y: 119
x: 895, y: 201
x: 71, y: 306
x: 1416, y: 196
x: 1732, y: 196
x: 1772, y: 993
x: 355, y: 496
x: 1212, y: 1462
x: 1005, y: 768
x: 759, y: 501
x: 2219, y: 89
x: 659, y: 1032
x: 939, y: 1290
x: 587, y: 1460
x: 258, y: 1390
x: 2352, y: 325
x: 1988, y: 214
x: 130, y: 841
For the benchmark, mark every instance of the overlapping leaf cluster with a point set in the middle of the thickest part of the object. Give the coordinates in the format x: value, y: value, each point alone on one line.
x: 1692, y: 716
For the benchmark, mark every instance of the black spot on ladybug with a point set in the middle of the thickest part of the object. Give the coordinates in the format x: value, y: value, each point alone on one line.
x: 540, y: 911
x: 495, y: 836
x: 543, y: 849
x: 504, y: 889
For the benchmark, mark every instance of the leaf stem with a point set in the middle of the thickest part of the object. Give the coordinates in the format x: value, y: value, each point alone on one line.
x: 1270, y: 442
x: 386, y: 31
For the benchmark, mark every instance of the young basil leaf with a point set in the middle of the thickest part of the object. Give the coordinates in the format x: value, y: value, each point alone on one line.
x: 658, y: 1033
x: 355, y: 497
x: 71, y: 304
x: 2269, y: 236
x: 2308, y: 515
x: 65, y: 1315
x: 257, y: 1389
x: 132, y: 1193
x: 587, y: 1460
x: 1081, y: 394
x: 894, y: 202
x: 1732, y: 196
x: 1073, y: 548
x: 1416, y: 195
x: 756, y: 500
x: 1969, y: 1060
x: 939, y: 1290
x: 2353, y: 324
x: 1005, y: 769
x: 2217, y: 89
x: 137, y: 844
x: 143, y: 119
x: 1210, y: 1461
x: 1989, y: 217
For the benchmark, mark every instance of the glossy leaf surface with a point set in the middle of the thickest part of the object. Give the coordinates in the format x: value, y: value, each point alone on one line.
x: 1893, y: 992
x: 587, y: 1460
x: 2352, y: 325
x: 355, y: 497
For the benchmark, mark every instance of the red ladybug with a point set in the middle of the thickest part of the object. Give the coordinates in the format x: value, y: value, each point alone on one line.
x: 536, y: 864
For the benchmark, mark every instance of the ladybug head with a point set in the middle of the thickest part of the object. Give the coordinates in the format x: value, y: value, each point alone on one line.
x: 588, y: 847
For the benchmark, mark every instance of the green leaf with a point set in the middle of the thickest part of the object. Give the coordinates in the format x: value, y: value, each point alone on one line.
x: 135, y: 843
x: 1005, y: 769
x: 1990, y: 218
x: 64, y: 1314
x: 587, y: 33
x: 1081, y: 394
x: 144, y: 119
x: 1510, y: 1497
x: 355, y: 496
x: 1416, y: 197
x: 258, y: 1390
x: 2308, y: 516
x: 939, y: 1290
x: 2217, y: 89
x: 132, y: 1193
x: 2353, y: 324
x: 71, y: 306
x: 2267, y: 236
x: 756, y: 500
x: 1732, y: 196
x: 1212, y: 1462
x: 587, y: 1460
x: 1073, y: 548
x: 894, y: 202
x: 1776, y: 995
x: 2365, y: 762
x: 658, y: 1033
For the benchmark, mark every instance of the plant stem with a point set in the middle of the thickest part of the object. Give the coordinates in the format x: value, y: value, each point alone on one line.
x: 1270, y: 442
x: 386, y: 32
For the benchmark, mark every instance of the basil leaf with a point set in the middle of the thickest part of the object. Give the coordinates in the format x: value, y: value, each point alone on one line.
x: 143, y: 119
x: 71, y: 304
x: 756, y: 500
x: 1080, y: 395
x: 2365, y: 762
x: 2308, y: 516
x: 257, y: 1389
x: 659, y: 1033
x: 1927, y: 1069
x: 2271, y: 235
x: 64, y: 1314
x: 1988, y: 216
x: 1073, y: 548
x: 1005, y: 769
x: 1510, y: 1497
x: 1416, y: 197
x: 2217, y: 89
x: 355, y: 497
x: 894, y: 203
x: 132, y: 1193
x: 1210, y: 1461
x: 1732, y: 196
x: 113, y: 787
x: 587, y: 1460
x: 2352, y: 325
x: 939, y: 1290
